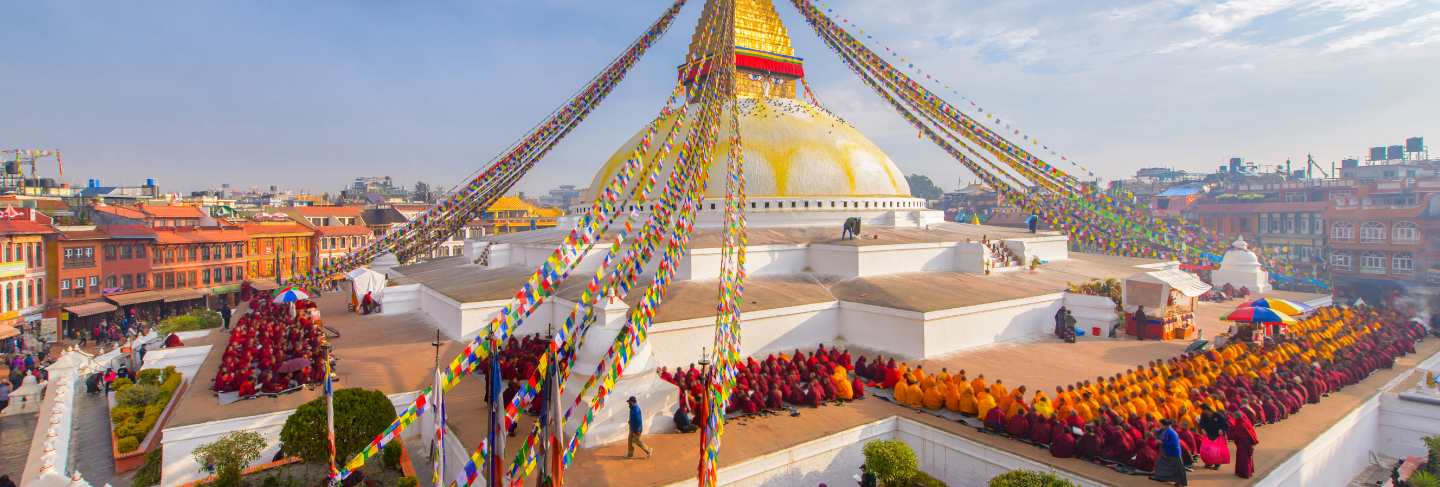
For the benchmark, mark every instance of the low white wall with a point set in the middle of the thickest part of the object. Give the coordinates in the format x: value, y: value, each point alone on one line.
x: 773, y: 330
x: 186, y: 360
x: 892, y: 331
x: 401, y: 299
x: 48, y: 461
x: 1092, y: 311
x: 179, y: 466
x: 952, y: 330
x: 1047, y: 248
x: 1343, y: 451
x: 836, y: 459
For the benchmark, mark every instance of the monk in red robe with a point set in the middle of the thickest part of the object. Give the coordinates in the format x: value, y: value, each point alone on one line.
x: 1242, y: 432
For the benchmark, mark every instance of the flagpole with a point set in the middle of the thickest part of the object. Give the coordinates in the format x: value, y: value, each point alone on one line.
x: 497, y: 425
x: 334, y: 474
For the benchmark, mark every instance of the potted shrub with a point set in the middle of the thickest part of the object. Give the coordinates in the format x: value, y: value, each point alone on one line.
x: 228, y: 456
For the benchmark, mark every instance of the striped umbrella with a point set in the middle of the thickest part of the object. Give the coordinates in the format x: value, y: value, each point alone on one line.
x: 1282, y: 305
x: 1259, y: 315
x: 290, y: 294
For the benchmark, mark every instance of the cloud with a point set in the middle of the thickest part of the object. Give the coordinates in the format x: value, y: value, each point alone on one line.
x: 1228, y: 16
x: 1424, y: 23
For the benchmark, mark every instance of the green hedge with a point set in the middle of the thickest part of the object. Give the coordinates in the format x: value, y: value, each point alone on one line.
x: 360, y: 414
x: 892, y: 461
x: 196, y: 319
x: 1027, y: 478
x: 138, y: 406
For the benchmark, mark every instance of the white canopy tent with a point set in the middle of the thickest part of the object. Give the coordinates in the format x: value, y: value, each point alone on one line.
x: 364, y: 280
x: 1154, y: 290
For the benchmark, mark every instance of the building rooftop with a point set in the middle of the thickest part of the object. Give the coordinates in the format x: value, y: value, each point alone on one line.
x: 188, y: 235
x: 338, y: 230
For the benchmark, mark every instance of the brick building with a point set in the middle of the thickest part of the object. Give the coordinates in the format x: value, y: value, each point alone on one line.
x: 1377, y: 236
x: 24, y: 234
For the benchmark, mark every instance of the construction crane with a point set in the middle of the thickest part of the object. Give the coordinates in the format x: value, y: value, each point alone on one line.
x: 13, y: 177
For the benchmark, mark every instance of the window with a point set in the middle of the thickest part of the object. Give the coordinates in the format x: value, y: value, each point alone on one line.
x: 229, y: 274
x: 109, y: 252
x: 127, y: 281
x: 140, y: 281
x: 229, y: 251
x: 126, y: 251
x: 170, y: 280
x: 111, y: 282
x: 1372, y: 262
x: 206, y: 275
x: 1342, y: 230
x: 65, y: 285
x: 1289, y: 220
x: 193, y: 252
x: 140, y: 251
x: 90, y: 252
x: 1372, y: 232
x: 1341, y: 260
x: 205, y: 253
x: 180, y: 279
x: 1405, y: 232
x: 1402, y: 262
x: 94, y: 281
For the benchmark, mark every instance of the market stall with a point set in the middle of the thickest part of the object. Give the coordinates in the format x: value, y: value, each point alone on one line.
x: 1160, y: 305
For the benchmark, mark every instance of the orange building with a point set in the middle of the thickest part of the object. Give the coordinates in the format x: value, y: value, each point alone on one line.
x: 208, y: 260
x: 283, y: 243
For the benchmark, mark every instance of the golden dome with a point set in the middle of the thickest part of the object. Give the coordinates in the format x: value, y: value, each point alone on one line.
x: 792, y: 149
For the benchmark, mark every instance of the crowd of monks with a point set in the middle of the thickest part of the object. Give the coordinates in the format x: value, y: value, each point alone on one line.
x: 1213, y: 395
x: 773, y: 384
x: 264, y: 339
x: 519, y: 359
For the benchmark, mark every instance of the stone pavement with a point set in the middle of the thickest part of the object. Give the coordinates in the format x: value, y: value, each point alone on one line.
x: 15, y: 434
x: 90, y: 443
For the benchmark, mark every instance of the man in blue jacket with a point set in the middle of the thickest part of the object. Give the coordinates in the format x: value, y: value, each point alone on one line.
x: 637, y: 424
x: 1171, y: 467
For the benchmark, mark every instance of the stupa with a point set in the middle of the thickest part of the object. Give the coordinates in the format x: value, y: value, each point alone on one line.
x: 1241, y: 268
x: 911, y: 285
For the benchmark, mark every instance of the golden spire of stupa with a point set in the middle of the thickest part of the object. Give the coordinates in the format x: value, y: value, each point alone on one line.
x: 763, y: 55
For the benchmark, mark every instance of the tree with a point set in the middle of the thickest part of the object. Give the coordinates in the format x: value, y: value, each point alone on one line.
x: 892, y: 461
x: 360, y: 414
x: 229, y: 455
x: 922, y: 187
x: 1027, y: 478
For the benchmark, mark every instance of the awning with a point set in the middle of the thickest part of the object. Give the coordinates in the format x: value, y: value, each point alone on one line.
x: 89, y: 309
x: 177, y: 295
x: 1178, y: 280
x: 265, y: 285
x: 228, y: 288
x: 7, y: 331
x: 137, y: 297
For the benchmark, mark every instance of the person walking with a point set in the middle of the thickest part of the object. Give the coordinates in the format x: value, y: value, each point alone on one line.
x: 224, y: 315
x: 1170, y: 468
x: 109, y: 378
x: 1242, y: 432
x: 4, y: 395
x: 637, y: 425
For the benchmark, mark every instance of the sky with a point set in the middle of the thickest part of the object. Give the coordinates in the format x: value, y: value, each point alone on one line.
x: 309, y: 95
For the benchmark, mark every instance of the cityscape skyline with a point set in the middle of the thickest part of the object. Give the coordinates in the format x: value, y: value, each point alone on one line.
x: 246, y: 103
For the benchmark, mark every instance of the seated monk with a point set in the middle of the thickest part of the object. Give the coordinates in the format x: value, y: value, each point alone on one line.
x: 1018, y: 425
x: 952, y: 398
x: 995, y: 420
x: 1146, y: 455
x: 1041, y: 429
x: 844, y: 390
x: 1063, y: 444
x: 969, y: 405
x: 1090, y: 447
x: 933, y: 399
x: 1042, y: 405
x: 984, y: 402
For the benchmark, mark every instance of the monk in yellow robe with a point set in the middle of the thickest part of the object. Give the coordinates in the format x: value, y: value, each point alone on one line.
x: 952, y: 398
x: 1042, y: 405
x: 915, y: 395
x: 978, y: 385
x: 984, y: 402
x: 1002, y: 395
x: 933, y: 399
x: 1016, y: 403
x: 968, y: 403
